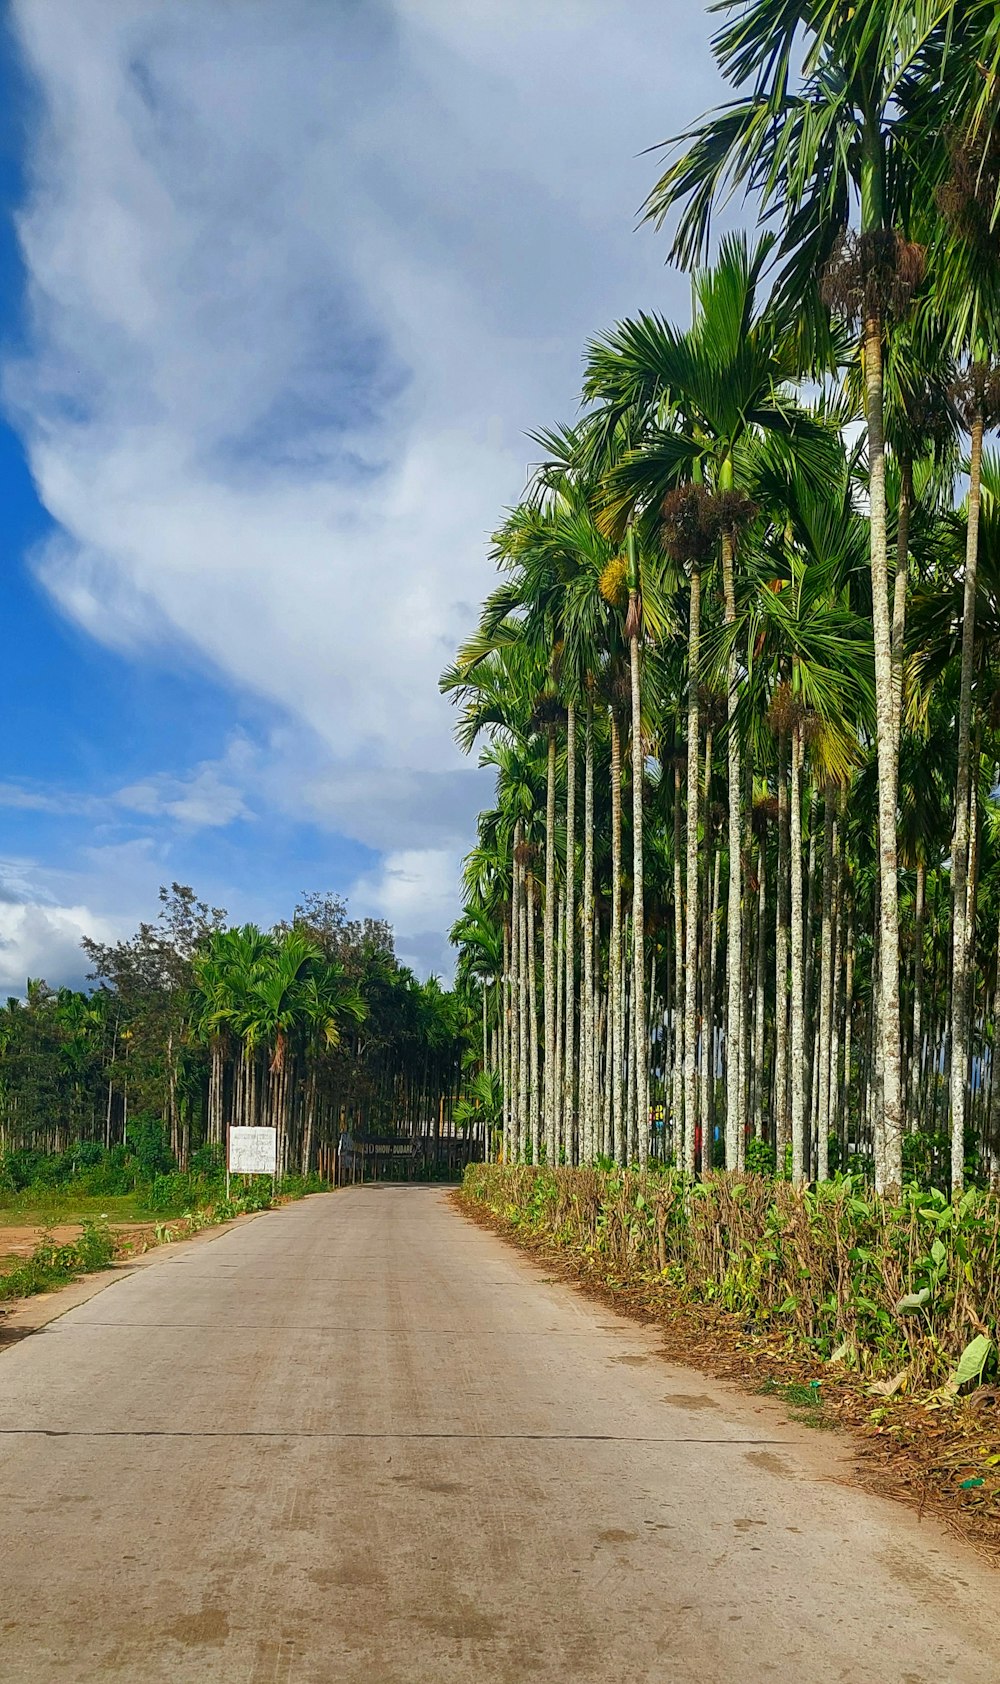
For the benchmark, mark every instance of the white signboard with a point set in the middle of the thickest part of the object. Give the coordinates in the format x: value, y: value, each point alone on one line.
x: 253, y: 1151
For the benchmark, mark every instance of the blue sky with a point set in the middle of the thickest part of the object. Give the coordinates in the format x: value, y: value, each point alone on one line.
x: 281, y: 292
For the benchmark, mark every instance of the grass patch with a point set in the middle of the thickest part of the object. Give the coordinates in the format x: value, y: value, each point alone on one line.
x: 805, y: 1403
x: 56, y: 1205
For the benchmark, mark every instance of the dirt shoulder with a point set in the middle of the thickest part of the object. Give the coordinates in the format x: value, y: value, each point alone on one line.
x: 18, y: 1241
x: 21, y: 1316
x: 944, y: 1460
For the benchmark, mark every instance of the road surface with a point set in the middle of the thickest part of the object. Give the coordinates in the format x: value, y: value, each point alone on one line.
x: 362, y: 1441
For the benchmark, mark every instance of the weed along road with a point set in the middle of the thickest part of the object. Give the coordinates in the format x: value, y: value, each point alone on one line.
x: 362, y: 1440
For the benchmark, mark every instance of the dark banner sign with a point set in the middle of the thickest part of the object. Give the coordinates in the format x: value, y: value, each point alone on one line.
x: 378, y: 1145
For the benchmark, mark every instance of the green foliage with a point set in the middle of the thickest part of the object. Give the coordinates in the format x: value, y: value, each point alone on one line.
x: 805, y: 1402
x: 51, y: 1265
x: 171, y: 1193
x: 885, y: 1283
x: 314, y: 1025
x: 973, y: 1361
x: 927, y: 1157
x: 146, y: 1139
x: 482, y: 1103
x: 208, y: 1162
x: 761, y: 1158
x: 298, y: 1186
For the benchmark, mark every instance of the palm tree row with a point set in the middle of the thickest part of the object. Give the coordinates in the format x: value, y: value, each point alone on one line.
x: 777, y: 646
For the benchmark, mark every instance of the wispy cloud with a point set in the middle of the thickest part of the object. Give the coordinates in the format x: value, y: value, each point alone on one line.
x: 300, y: 279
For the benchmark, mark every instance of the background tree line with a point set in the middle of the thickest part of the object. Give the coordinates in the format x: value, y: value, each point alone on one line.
x: 313, y: 1026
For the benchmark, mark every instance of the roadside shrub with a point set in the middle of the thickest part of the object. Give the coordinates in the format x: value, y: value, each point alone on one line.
x: 170, y: 1194
x: 885, y: 1284
x: 24, y: 1166
x: 112, y: 1172
x: 297, y: 1186
x: 51, y: 1265
x: 761, y: 1158
x: 208, y: 1163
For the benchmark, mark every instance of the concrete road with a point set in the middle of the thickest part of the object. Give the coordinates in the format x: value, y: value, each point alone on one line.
x: 361, y: 1441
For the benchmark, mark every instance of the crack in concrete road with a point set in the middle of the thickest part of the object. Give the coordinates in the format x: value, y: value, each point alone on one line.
x: 470, y: 1438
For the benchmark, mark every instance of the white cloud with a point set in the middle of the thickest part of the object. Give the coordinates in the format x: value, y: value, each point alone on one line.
x: 416, y: 890
x: 36, y: 800
x: 300, y: 279
x: 413, y: 887
x: 211, y: 795
x: 44, y: 941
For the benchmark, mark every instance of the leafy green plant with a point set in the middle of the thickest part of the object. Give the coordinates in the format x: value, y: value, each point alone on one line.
x: 761, y: 1158
x: 51, y: 1264
x: 898, y: 1285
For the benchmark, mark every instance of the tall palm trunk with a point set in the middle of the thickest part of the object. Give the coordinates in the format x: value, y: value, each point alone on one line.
x: 712, y: 892
x: 782, y: 1124
x: 571, y: 1078
x: 509, y: 940
x: 548, y: 950
x: 709, y: 890
x: 848, y: 1022
x: 758, y: 1020
x: 607, y: 1118
x: 960, y: 848
x: 560, y: 1077
x: 215, y: 1108
x: 993, y: 1125
x: 535, y: 1096
x: 631, y: 1142
x: 691, y: 908
x: 507, y: 1039
x: 808, y: 1005
x: 798, y: 972
x: 525, y: 1028
x: 615, y: 966
x: 822, y: 1074
x: 917, y: 1028
x: 835, y: 1126
x: 588, y: 1119
x: 485, y: 1056
x: 509, y: 960
x: 640, y: 1032
x: 677, y: 997
x: 735, y: 1114
x: 655, y: 1035
x: 309, y: 1129
x: 889, y: 1120
x: 899, y: 594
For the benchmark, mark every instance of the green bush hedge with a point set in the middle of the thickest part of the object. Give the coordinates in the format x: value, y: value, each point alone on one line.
x: 884, y: 1284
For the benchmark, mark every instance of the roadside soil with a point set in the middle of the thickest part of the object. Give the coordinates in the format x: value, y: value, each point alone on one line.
x: 940, y: 1459
x: 19, y: 1241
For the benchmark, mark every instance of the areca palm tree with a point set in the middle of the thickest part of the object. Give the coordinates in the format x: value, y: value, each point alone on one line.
x: 694, y: 405
x: 809, y: 668
x: 826, y: 98
x: 967, y: 290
